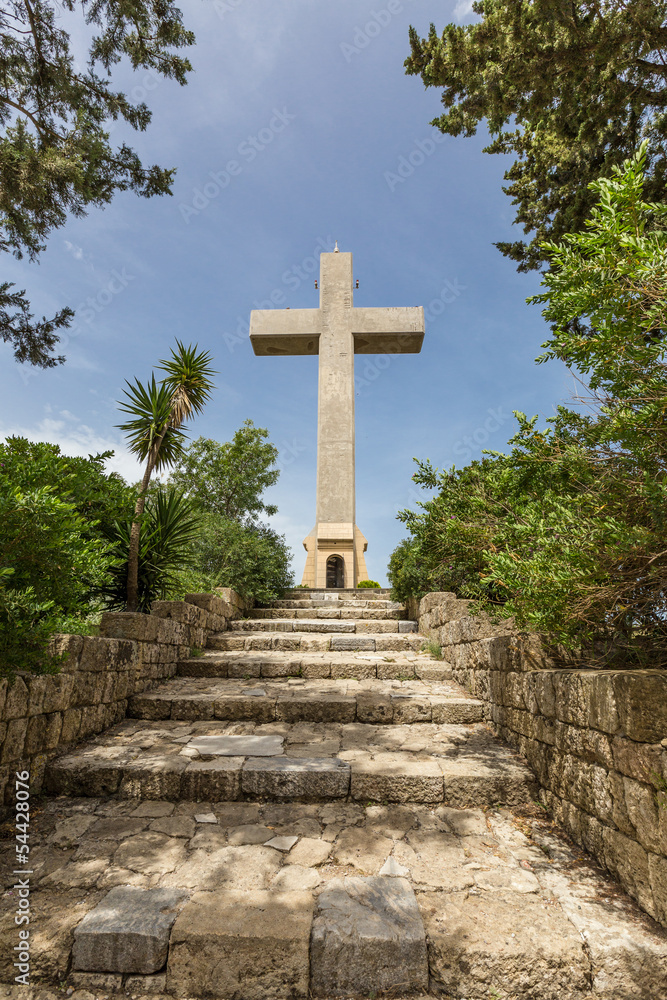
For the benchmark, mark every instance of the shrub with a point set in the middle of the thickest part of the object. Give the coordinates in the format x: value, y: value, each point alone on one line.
x: 369, y: 584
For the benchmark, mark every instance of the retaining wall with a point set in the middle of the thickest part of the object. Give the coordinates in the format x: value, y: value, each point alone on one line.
x: 42, y: 713
x: 596, y: 740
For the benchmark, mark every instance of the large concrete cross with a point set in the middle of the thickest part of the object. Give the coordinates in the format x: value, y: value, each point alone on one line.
x: 336, y: 331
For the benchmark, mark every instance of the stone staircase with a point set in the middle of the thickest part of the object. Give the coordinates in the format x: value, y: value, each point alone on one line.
x: 314, y: 807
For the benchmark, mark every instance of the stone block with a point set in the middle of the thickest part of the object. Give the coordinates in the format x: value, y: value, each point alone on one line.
x: 322, y: 708
x: 12, y: 748
x: 212, y: 603
x: 239, y: 746
x: 367, y: 936
x: 406, y: 627
x: 16, y: 700
x: 295, y: 778
x: 34, y: 737
x: 71, y: 725
x: 479, y: 942
x: 68, y: 647
x: 352, y: 643
x: 641, y: 701
x: 153, y: 776
x: 128, y: 931
x: 58, y: 694
x: 251, y: 945
x: 657, y: 866
x: 238, y: 707
x: 184, y: 612
x: 216, y: 780
x: 374, y: 707
x: 129, y: 625
x: 394, y: 777
x: 628, y: 861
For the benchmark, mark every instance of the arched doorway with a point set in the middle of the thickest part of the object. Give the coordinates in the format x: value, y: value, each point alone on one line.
x: 335, y: 572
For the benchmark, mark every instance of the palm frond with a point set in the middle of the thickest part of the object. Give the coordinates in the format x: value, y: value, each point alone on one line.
x: 188, y: 380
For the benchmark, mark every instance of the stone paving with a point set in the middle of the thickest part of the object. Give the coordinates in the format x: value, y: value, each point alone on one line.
x: 352, y: 830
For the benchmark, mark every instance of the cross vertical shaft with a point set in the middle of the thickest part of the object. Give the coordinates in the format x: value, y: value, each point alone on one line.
x: 335, y: 413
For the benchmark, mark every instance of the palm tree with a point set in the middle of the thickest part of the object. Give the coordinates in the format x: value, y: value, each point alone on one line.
x: 158, y: 411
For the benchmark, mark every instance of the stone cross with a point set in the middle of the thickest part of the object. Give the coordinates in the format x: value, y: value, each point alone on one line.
x: 336, y: 331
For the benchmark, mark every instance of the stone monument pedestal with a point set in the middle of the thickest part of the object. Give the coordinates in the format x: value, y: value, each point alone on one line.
x: 335, y: 556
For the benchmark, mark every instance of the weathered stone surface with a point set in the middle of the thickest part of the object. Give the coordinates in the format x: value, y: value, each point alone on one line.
x: 213, y: 780
x: 251, y: 833
x: 363, y: 849
x: 295, y: 778
x: 150, y: 853
x: 396, y: 778
x: 352, y: 642
x: 310, y: 852
x: 238, y: 746
x: 128, y: 931
x: 367, y: 936
x: 479, y: 943
x: 245, y: 867
x: 283, y: 844
x: 248, y: 945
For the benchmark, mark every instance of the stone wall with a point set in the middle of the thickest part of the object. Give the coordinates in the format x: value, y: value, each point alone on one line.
x: 596, y: 740
x: 42, y: 713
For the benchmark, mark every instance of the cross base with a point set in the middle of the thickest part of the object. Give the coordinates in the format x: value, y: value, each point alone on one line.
x: 335, y: 556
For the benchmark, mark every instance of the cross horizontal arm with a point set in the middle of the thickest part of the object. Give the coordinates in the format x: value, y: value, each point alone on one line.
x: 393, y: 330
x: 285, y: 331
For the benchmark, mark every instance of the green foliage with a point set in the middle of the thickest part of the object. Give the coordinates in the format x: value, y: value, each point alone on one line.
x: 369, y: 584
x: 226, y: 482
x: 157, y: 413
x: 169, y: 525
x: 229, y: 479
x: 571, y: 89
x: 567, y: 532
x: 54, y: 559
x: 408, y: 572
x: 434, y: 650
x: 56, y: 158
x: 253, y: 560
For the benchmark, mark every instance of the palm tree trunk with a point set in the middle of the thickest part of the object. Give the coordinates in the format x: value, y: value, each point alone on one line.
x: 135, y: 530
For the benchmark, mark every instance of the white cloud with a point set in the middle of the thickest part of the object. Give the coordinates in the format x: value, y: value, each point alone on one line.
x: 79, y: 439
x: 463, y: 9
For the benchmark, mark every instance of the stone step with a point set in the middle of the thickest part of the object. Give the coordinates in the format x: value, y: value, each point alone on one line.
x: 318, y: 612
x: 324, y: 625
x: 342, y: 604
x: 462, y: 765
x: 315, y: 640
x: 404, y: 665
x: 299, y: 700
x: 339, y: 594
x: 291, y: 900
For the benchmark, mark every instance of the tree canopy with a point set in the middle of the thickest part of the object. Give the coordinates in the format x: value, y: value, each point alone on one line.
x: 571, y: 87
x: 56, y: 156
x: 567, y: 531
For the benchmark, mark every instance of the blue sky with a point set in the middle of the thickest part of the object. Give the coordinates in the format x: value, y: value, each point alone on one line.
x: 298, y: 127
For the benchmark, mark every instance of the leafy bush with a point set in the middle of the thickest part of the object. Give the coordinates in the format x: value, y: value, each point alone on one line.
x: 253, y: 560
x: 226, y: 482
x: 53, y: 558
x: 567, y: 532
x: 169, y: 525
x: 369, y: 584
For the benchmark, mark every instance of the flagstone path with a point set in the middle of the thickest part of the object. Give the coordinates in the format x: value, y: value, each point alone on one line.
x: 291, y: 817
